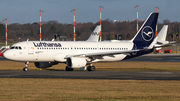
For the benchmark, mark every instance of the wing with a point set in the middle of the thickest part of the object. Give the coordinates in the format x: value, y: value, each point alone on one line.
x: 111, y: 53
x: 126, y: 52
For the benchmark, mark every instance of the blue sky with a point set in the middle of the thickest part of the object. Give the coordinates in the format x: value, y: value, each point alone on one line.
x: 27, y: 11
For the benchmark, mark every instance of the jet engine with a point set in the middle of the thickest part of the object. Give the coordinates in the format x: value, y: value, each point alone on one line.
x: 44, y: 64
x: 76, y: 62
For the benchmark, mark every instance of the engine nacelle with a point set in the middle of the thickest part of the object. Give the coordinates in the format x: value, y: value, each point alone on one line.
x: 44, y: 64
x: 76, y: 62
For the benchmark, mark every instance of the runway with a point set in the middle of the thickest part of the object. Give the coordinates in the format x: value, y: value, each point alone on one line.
x: 121, y: 75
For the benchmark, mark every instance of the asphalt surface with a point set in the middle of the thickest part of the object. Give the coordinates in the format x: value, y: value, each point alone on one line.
x: 121, y: 75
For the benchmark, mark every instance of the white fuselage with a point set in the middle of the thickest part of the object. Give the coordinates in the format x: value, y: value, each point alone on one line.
x: 57, y: 51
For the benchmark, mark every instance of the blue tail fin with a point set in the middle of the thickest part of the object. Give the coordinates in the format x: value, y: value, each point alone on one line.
x: 146, y: 33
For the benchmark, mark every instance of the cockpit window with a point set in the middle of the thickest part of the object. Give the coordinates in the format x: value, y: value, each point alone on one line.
x: 12, y: 47
x: 16, y: 47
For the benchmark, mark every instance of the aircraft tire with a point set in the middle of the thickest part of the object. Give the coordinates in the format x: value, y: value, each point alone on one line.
x: 25, y: 69
x: 91, y: 68
x: 69, y: 69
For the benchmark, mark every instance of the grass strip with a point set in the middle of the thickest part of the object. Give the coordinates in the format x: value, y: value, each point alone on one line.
x: 19, y: 89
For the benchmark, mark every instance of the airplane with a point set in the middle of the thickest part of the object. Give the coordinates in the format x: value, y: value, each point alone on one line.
x: 78, y: 54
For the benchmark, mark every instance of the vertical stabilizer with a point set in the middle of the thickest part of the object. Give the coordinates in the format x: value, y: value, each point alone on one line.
x: 162, y: 34
x: 146, y: 33
x: 95, y: 34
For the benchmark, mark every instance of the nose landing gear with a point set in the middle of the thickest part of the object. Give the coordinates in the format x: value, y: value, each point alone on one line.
x: 26, y: 67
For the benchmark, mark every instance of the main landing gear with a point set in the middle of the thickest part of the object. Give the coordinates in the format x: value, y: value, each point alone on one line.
x: 91, y: 68
x: 26, y: 67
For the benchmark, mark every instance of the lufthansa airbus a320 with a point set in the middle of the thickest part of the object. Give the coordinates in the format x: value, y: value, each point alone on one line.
x: 79, y: 54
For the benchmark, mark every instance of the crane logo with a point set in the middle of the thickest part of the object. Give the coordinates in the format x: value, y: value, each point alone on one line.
x: 147, y: 33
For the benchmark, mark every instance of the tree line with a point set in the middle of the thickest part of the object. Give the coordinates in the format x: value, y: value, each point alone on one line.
x: 127, y: 29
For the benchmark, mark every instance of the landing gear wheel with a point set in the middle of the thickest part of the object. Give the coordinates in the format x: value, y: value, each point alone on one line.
x: 91, y: 68
x: 69, y: 69
x: 25, y: 69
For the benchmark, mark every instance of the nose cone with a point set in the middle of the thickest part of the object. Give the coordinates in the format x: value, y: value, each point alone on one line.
x: 7, y: 55
x: 4, y: 55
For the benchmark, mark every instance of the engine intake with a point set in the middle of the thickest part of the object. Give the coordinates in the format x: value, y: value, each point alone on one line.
x: 76, y: 62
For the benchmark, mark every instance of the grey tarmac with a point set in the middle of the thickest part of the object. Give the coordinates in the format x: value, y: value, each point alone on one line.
x: 121, y: 75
